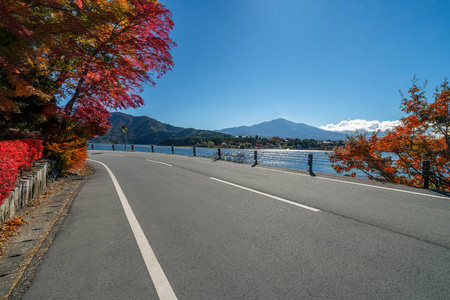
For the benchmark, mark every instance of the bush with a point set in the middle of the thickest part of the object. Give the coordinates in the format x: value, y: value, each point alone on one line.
x: 16, y: 156
x: 66, y: 153
x: 65, y: 139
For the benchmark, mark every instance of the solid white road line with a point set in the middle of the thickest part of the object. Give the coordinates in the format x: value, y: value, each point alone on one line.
x: 112, y: 154
x: 361, y: 184
x: 268, y: 195
x: 158, y: 162
x: 159, y: 279
x: 383, y: 188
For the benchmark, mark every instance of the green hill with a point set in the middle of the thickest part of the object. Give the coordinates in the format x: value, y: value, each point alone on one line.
x: 145, y: 130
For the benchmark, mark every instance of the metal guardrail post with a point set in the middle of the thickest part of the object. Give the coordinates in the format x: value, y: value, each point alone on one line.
x: 310, y: 162
x: 172, y: 149
x: 426, y: 173
x: 256, y: 157
x: 219, y: 153
x: 153, y: 150
x: 194, y: 152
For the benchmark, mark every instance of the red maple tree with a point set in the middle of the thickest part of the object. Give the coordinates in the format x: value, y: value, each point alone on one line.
x: 398, y: 156
x: 73, y: 61
x: 98, y: 53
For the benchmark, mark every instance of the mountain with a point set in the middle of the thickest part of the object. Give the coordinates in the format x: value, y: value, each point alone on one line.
x: 145, y: 130
x: 284, y: 129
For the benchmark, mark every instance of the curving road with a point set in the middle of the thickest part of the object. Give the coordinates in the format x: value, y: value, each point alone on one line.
x: 151, y: 225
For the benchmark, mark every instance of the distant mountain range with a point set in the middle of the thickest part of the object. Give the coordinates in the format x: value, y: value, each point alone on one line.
x: 285, y: 129
x: 145, y: 130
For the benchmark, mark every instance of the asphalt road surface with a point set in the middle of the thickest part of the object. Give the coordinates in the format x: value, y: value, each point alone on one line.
x: 152, y: 225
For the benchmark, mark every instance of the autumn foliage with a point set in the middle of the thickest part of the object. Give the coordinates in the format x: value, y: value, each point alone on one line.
x: 16, y: 156
x: 73, y: 61
x: 424, y: 134
x: 95, y: 51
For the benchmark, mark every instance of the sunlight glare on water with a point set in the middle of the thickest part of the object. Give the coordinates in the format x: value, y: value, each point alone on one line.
x: 291, y: 159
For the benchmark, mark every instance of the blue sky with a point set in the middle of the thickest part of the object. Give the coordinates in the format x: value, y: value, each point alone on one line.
x: 319, y: 62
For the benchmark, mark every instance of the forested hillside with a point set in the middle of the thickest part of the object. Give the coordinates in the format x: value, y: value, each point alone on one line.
x: 145, y: 130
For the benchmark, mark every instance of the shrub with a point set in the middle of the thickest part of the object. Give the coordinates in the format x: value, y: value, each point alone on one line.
x: 16, y: 156
x: 67, y: 154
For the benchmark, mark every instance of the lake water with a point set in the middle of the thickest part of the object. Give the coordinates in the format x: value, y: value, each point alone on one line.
x: 292, y: 159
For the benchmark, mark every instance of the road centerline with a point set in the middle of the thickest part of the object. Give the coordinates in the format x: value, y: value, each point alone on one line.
x: 158, y: 162
x: 160, y: 281
x: 267, y: 195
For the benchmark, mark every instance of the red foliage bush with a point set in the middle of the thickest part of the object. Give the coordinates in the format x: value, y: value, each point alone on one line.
x: 15, y: 156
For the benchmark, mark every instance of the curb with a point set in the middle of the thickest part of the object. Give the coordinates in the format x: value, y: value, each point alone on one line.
x: 26, y: 250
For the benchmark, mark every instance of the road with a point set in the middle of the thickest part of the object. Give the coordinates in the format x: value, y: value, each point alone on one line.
x: 152, y: 225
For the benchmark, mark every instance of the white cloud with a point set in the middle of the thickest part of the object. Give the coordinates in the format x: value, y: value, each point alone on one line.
x: 361, y: 125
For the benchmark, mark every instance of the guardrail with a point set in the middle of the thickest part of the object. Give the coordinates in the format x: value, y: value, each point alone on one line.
x: 282, y: 158
x: 306, y: 158
x: 301, y: 160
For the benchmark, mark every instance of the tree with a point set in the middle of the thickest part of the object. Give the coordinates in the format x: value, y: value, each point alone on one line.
x: 424, y: 134
x: 97, y: 54
x: 87, y: 56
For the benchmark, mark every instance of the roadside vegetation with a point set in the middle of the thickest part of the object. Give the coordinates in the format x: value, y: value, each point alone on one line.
x: 16, y: 157
x: 64, y: 65
x: 422, y: 138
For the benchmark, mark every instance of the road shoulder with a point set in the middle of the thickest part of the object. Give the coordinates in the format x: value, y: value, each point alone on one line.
x: 25, y: 251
